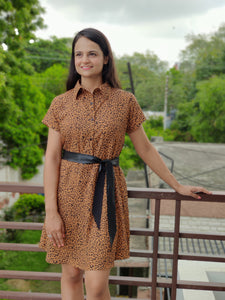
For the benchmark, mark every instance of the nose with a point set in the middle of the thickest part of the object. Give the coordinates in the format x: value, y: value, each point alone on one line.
x: 85, y: 58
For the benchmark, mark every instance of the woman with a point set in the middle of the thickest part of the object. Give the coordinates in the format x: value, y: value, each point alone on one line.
x: 87, y: 224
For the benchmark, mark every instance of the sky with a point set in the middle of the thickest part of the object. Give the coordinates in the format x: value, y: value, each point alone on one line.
x: 158, y: 26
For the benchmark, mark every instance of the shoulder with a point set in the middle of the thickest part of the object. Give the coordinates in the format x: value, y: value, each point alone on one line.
x: 63, y: 99
x: 122, y: 94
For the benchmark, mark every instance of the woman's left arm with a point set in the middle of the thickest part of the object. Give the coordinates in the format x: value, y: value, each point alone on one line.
x: 151, y: 157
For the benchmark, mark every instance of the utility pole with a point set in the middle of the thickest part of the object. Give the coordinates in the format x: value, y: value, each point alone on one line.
x: 165, y: 103
x: 131, y: 78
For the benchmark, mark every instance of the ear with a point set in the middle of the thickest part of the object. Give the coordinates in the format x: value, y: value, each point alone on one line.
x: 106, y: 59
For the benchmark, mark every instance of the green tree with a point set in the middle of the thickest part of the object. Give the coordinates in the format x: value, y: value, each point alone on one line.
x: 43, y: 54
x: 182, y: 122
x: 21, y: 103
x: 148, y: 73
x: 205, y: 54
x: 18, y: 22
x: 51, y: 82
x: 21, y: 130
x: 208, y: 118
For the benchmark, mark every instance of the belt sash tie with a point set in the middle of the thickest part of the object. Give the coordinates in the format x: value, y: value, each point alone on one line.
x: 105, y: 168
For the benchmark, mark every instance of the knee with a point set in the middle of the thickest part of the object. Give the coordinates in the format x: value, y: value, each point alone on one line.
x: 71, y: 274
x: 96, y: 288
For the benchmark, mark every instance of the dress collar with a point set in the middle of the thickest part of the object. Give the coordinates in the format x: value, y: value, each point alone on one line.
x: 104, y: 88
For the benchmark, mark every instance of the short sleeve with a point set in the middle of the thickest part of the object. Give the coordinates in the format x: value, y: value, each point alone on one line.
x: 136, y: 116
x: 51, y: 119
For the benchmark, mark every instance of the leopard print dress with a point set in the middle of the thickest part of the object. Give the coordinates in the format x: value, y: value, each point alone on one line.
x: 93, y: 124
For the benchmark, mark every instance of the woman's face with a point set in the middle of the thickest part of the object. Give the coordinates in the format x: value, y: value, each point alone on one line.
x: 89, y: 59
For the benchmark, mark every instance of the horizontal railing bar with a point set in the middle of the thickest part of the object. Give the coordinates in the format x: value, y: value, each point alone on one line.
x: 20, y: 247
x: 133, y: 253
x: 141, y: 231
x: 133, y: 192
x: 133, y: 231
x: 41, y: 296
x: 200, y: 285
x: 192, y: 285
x: 202, y: 236
x: 28, y: 296
x: 189, y: 235
x: 121, y: 280
x: 21, y: 188
x: 21, y: 225
x: 50, y: 276
x: 168, y: 194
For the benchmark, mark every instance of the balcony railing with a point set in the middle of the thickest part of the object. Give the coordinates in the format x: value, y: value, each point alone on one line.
x: 155, y: 281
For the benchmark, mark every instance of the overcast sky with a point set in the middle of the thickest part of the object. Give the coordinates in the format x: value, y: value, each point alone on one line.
x: 135, y: 25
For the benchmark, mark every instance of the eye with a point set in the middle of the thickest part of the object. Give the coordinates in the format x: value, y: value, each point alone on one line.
x: 93, y: 54
x: 77, y: 54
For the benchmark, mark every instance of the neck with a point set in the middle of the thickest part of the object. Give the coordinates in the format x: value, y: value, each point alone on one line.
x: 90, y: 85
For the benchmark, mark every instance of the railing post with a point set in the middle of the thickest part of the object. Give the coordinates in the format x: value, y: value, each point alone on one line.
x: 155, y: 249
x: 175, y: 249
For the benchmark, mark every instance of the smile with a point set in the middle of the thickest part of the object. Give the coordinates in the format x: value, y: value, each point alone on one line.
x: 86, y: 68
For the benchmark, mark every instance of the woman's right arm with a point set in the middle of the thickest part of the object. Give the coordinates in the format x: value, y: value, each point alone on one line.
x: 53, y: 221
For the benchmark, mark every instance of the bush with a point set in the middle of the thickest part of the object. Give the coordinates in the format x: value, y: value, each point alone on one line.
x: 29, y: 207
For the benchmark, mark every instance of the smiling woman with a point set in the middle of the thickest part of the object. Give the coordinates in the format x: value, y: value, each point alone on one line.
x: 87, y: 220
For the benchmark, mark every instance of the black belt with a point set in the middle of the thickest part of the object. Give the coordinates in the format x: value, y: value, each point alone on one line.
x: 105, y: 167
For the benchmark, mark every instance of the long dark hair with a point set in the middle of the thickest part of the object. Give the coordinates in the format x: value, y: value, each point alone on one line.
x: 109, y: 73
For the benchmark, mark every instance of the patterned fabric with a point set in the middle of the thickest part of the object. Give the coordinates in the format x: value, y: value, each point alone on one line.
x: 93, y: 124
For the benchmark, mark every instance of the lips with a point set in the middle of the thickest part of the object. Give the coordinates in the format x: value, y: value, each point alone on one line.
x: 86, y: 67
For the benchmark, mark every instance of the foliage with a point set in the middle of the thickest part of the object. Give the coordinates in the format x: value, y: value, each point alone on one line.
x: 29, y: 205
x: 51, y: 82
x: 20, y: 131
x: 43, y: 54
x: 148, y: 74
x: 205, y: 54
x: 153, y: 127
x: 208, y: 118
x: 28, y: 208
x: 21, y: 103
x: 200, y: 109
x: 18, y: 22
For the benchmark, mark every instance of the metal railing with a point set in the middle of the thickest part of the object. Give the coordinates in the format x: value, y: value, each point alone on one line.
x: 155, y: 281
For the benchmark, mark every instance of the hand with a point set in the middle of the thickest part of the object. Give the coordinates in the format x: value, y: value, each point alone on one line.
x: 189, y: 190
x: 55, y: 229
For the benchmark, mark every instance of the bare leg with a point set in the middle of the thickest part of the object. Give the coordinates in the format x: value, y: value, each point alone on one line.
x: 72, y: 283
x: 97, y: 285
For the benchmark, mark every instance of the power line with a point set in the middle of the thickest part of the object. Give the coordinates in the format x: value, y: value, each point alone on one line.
x: 47, y: 58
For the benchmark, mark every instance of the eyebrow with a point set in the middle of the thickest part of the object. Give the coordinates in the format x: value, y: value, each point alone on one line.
x: 88, y: 51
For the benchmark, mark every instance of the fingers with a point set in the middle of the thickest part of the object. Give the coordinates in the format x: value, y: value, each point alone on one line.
x: 57, y: 238
x: 193, y: 191
x: 198, y: 189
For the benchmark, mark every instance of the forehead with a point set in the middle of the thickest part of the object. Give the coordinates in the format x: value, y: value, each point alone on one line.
x: 84, y: 44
